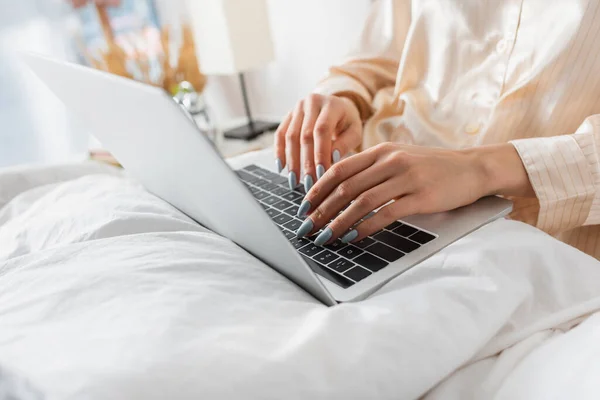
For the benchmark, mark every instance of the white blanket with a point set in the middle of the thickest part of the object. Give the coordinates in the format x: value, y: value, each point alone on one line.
x: 107, y: 292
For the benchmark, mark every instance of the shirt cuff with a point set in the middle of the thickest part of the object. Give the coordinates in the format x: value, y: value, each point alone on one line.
x: 559, y: 173
x: 348, y: 87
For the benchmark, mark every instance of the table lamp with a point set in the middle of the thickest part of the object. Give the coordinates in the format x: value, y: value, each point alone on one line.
x: 232, y: 37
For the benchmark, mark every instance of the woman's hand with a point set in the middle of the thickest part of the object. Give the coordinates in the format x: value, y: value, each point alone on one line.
x: 413, y: 180
x: 319, y: 131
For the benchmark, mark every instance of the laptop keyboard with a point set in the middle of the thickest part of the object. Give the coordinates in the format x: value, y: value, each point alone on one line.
x: 344, y: 264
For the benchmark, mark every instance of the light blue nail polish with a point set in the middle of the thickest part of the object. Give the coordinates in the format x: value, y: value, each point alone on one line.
x: 278, y: 165
x: 369, y: 215
x: 292, y: 180
x: 336, y: 156
x: 320, y: 171
x: 306, y: 227
x: 324, y: 237
x: 308, y: 183
x: 350, y: 236
x: 303, y: 209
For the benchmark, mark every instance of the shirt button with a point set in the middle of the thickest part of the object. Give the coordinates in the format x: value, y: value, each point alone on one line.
x: 501, y: 46
x: 472, y: 128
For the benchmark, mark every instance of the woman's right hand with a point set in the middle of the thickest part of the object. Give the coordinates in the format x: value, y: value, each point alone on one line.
x: 318, y: 132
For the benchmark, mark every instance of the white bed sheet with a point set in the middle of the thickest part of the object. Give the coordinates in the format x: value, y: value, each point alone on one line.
x: 108, y: 292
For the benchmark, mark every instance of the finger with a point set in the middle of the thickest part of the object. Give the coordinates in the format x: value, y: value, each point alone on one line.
x: 312, y: 107
x: 344, y: 194
x: 403, y: 207
x: 292, y: 145
x: 333, y: 179
x: 346, y: 141
x: 280, y: 142
x: 324, y: 130
x: 364, y: 204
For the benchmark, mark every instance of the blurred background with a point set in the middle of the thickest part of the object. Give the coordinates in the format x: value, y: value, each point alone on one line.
x: 163, y: 42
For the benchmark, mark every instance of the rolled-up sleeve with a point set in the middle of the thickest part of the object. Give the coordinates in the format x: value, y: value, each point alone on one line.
x: 565, y: 174
x: 374, y: 64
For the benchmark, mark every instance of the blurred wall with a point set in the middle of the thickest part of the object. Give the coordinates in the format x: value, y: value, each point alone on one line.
x: 309, y: 35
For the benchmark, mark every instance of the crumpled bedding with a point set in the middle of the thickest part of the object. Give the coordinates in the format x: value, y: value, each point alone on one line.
x: 108, y: 292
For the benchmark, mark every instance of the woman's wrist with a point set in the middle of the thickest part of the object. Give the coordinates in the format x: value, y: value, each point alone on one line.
x: 500, y: 171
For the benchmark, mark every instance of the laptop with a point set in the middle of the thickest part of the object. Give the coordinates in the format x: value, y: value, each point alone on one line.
x: 159, y: 145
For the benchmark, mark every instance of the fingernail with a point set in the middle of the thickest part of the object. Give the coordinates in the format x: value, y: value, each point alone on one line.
x: 306, y: 227
x: 369, y: 215
x: 293, y: 182
x: 304, y: 207
x: 336, y: 156
x: 308, y: 182
x: 278, y: 165
x: 320, y: 171
x: 350, y: 236
x: 324, y: 237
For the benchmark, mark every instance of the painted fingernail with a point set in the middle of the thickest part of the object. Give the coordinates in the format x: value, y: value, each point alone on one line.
x: 308, y: 182
x: 369, y: 215
x: 306, y: 227
x: 324, y: 237
x: 304, y: 207
x: 278, y: 165
x: 320, y: 171
x: 336, y: 156
x: 292, y: 180
x: 350, y: 236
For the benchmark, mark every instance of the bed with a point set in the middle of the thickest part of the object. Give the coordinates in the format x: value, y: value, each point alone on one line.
x: 107, y: 292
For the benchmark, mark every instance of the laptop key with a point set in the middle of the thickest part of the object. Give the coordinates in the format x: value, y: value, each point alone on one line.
x: 311, y: 250
x: 325, y: 257
x: 261, y: 182
x: 245, y: 176
x: 291, y: 196
x: 260, y: 195
x: 271, y: 200
x: 269, y: 186
x: 282, y: 219
x: 357, y: 273
x: 328, y: 273
x: 293, y: 211
x: 253, y: 189
x: 280, y: 180
x: 279, y: 191
x: 341, y: 265
x: 293, y: 225
x: 298, y: 201
x: 300, y: 190
x: 260, y: 172
x: 288, y: 235
x: 251, y: 167
x: 405, y: 230
x: 282, y: 205
x: 385, y: 252
x: 422, y: 237
x: 337, y: 245
x: 393, y: 225
x: 271, y: 175
x: 263, y: 205
x: 370, y: 262
x: 397, y: 242
x: 365, y: 242
x: 350, y: 251
x: 272, y: 213
x: 298, y: 243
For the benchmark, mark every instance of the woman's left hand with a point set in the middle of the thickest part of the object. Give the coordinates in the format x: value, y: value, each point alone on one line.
x: 413, y: 180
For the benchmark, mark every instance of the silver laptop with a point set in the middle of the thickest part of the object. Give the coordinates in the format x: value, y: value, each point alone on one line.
x: 159, y: 145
